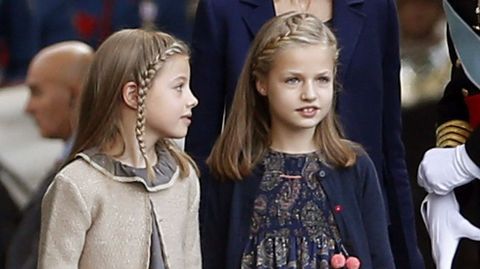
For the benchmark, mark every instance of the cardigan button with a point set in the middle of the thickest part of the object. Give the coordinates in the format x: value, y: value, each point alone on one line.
x: 322, y: 173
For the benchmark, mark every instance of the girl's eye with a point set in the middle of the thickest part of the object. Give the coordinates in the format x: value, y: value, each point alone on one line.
x: 324, y: 79
x: 179, y: 87
x: 292, y: 80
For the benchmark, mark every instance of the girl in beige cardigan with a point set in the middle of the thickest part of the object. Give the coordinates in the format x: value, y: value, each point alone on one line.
x: 128, y: 198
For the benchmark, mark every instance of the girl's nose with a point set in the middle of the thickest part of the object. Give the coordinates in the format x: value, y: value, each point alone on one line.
x: 308, y: 92
x: 193, y: 102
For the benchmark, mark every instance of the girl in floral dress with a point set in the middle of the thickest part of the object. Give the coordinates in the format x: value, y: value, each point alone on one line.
x: 292, y: 192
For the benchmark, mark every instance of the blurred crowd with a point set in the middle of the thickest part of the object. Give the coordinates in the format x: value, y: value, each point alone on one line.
x: 28, y: 26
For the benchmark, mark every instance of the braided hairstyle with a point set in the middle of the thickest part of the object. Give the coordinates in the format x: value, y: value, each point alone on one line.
x: 145, y: 78
x: 130, y: 55
x: 245, y: 138
x: 295, y: 29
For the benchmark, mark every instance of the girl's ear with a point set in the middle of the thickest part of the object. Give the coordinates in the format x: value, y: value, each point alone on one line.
x: 130, y: 94
x: 261, y: 87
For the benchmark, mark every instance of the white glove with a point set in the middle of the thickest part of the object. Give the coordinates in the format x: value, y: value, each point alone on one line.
x: 443, y: 169
x: 446, y: 226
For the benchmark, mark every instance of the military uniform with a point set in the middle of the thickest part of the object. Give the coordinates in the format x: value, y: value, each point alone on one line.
x: 454, y: 122
x: 458, y: 123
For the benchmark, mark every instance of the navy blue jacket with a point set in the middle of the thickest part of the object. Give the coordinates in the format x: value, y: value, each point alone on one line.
x: 9, y: 219
x: 361, y: 220
x: 368, y: 105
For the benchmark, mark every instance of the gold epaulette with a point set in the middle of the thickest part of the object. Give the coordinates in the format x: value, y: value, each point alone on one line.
x: 453, y: 133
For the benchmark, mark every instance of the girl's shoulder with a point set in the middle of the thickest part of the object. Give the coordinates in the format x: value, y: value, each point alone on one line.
x: 76, y: 168
x: 81, y: 174
x: 78, y: 179
x: 363, y: 165
x: 189, y: 186
x: 193, y: 178
x: 363, y: 160
x: 364, y: 170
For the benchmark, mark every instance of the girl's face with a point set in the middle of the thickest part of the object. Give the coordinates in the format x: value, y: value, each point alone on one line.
x: 170, y: 100
x: 299, y: 87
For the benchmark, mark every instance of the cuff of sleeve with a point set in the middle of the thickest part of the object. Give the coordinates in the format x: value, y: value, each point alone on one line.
x: 472, y: 146
x: 452, y: 133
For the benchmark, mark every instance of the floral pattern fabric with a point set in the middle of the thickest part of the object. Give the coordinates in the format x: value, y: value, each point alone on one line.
x: 292, y: 224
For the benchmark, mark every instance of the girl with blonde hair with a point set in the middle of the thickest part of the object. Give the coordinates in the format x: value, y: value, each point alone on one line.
x: 128, y: 197
x: 292, y: 191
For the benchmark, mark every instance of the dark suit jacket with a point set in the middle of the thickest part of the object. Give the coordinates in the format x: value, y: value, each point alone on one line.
x: 9, y: 218
x: 23, y: 250
x: 361, y: 222
x: 368, y: 105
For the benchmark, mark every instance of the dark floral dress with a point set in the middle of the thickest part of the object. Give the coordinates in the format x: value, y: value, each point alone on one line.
x: 292, y: 224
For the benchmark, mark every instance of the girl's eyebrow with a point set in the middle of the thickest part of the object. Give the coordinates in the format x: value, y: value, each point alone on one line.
x: 326, y: 72
x: 294, y: 72
x: 180, y: 77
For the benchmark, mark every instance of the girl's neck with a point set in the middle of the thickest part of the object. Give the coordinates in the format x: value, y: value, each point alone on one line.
x: 133, y: 157
x: 130, y: 153
x: 293, y: 141
x: 125, y: 147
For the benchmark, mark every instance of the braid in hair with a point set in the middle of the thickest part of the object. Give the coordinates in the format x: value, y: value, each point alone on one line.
x: 145, y: 82
x: 271, y: 46
x: 298, y: 28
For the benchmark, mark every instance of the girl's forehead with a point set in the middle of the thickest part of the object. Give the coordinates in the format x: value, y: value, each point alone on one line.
x: 310, y: 46
x: 174, y: 65
x: 305, y: 52
x: 306, y: 59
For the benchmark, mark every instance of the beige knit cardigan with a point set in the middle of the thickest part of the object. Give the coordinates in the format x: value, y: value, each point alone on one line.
x: 92, y: 219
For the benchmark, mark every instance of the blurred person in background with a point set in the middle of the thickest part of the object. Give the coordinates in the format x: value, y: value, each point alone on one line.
x: 423, y: 51
x: 95, y: 20
x: 55, y: 78
x: 425, y: 66
x: 27, y: 26
x: 17, y: 44
x: 9, y: 218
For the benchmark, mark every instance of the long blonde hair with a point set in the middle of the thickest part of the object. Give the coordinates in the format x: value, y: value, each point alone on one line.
x: 245, y: 138
x: 131, y: 55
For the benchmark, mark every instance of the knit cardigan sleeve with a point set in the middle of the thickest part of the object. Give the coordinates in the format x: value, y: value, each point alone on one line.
x: 65, y: 221
x: 193, y: 259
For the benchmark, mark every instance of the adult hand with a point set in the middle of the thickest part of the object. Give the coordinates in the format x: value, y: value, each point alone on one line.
x: 446, y: 226
x: 443, y: 169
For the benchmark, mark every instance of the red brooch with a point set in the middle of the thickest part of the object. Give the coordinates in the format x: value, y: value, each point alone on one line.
x: 338, y: 208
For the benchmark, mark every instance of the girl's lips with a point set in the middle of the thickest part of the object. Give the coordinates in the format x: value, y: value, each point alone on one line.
x: 308, y: 112
x: 187, y: 118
